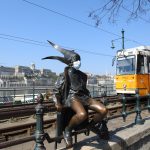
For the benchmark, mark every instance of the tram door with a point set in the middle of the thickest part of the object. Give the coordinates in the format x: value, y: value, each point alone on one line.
x: 148, y: 66
x: 143, y: 74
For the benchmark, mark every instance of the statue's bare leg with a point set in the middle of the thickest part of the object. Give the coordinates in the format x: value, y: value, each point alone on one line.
x: 98, y: 125
x: 79, y: 117
x: 99, y: 108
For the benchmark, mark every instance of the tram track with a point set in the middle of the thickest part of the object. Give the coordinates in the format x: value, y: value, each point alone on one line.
x: 26, y: 127
x: 27, y: 110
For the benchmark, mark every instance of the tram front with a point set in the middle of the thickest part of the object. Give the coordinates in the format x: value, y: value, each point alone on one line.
x: 132, y: 71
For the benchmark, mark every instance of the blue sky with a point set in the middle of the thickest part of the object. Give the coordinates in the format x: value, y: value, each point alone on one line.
x: 21, y: 19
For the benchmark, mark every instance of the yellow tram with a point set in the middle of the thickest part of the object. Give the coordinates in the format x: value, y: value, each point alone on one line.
x: 133, y: 71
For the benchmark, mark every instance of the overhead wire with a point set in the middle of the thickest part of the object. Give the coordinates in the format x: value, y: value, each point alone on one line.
x: 79, y: 21
x: 27, y: 42
x: 45, y: 44
x: 23, y: 38
x: 39, y: 43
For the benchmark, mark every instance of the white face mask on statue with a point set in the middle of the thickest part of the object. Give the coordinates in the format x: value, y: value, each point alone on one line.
x: 77, y: 64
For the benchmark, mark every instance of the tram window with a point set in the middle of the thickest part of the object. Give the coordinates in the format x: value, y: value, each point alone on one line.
x: 140, y: 64
x: 126, y: 66
x: 148, y: 63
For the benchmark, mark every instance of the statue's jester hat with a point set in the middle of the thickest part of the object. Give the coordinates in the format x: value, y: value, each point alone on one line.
x: 69, y: 55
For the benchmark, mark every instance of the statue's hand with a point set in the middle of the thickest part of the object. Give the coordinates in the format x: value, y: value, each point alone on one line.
x: 59, y: 107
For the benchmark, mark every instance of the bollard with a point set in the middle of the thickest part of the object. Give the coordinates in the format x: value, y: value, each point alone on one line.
x: 148, y: 103
x: 39, y: 133
x: 138, y: 118
x: 124, y: 113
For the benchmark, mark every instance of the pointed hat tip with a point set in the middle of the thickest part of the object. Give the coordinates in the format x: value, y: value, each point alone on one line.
x: 50, y: 42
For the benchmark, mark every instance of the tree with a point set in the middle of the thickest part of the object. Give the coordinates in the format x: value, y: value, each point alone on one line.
x: 112, y: 8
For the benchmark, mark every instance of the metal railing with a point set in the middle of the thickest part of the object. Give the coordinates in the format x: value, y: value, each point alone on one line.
x: 102, y: 90
x: 138, y: 109
x: 40, y: 136
x: 21, y: 95
x: 41, y: 108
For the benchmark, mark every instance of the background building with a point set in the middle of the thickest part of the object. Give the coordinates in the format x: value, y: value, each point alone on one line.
x: 19, y: 76
x: 29, y: 76
x: 100, y: 85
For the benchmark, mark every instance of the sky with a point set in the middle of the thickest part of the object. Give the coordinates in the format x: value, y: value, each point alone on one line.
x: 25, y: 29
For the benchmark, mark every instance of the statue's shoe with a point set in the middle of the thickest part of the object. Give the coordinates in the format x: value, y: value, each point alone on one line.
x: 67, y: 139
x: 100, y: 129
x: 103, y: 130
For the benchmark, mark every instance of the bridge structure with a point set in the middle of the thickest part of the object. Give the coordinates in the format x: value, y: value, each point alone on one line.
x: 128, y: 124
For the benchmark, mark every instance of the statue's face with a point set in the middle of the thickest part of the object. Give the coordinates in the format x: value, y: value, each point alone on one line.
x: 77, y: 64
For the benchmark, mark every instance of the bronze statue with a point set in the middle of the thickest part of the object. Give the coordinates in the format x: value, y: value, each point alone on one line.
x: 71, y: 92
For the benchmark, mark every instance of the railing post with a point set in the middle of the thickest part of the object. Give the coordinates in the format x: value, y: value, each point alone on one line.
x: 138, y: 118
x: 39, y: 133
x: 93, y: 91
x: 24, y: 99
x: 14, y: 93
x: 33, y: 91
x: 124, y: 113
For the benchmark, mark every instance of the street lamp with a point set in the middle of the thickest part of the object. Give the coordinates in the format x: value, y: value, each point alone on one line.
x: 112, y: 42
